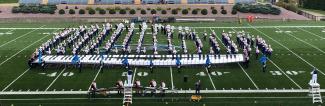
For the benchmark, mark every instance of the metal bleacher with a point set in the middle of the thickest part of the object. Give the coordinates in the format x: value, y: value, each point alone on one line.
x: 30, y: 1
x: 67, y: 1
x: 144, y: 60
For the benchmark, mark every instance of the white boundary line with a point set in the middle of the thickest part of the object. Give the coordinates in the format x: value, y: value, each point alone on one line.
x: 55, y: 79
x: 20, y: 36
x: 288, y: 49
x: 214, y: 87
x: 285, y: 74
x: 15, y: 80
x: 134, y: 74
x: 248, y: 76
x: 209, y: 27
x: 171, y: 77
x: 303, y: 41
x: 231, y: 91
x: 150, y: 98
x: 238, y: 63
x: 94, y: 78
x: 311, y: 33
x: 22, y: 50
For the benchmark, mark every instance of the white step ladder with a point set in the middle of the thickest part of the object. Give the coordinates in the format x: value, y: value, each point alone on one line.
x: 314, y: 91
x: 127, y: 93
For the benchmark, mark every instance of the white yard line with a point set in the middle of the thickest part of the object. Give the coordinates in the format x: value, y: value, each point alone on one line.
x: 15, y: 80
x: 214, y: 87
x: 288, y: 50
x: 134, y: 74
x: 304, y: 41
x: 95, y: 78
x: 285, y: 74
x: 22, y: 50
x: 248, y: 76
x: 20, y: 36
x: 171, y: 77
x: 311, y: 33
x: 55, y: 79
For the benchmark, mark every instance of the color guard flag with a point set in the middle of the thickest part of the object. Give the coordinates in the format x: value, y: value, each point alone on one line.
x: 125, y: 61
x: 75, y: 59
x: 178, y: 62
x: 207, y: 62
x: 151, y: 63
x: 263, y: 59
x: 39, y: 56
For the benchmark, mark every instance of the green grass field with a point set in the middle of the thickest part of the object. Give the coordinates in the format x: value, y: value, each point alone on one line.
x: 8, y: 1
x: 298, y: 49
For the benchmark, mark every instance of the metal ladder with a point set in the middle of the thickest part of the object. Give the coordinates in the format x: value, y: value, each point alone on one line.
x: 127, y: 94
x: 315, y: 93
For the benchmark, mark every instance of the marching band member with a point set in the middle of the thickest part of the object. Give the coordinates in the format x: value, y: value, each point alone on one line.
x: 93, y: 88
x: 257, y: 52
x: 153, y: 83
x: 116, y: 50
x: 119, y: 86
x: 137, y: 86
x: 313, y: 77
x: 129, y: 76
x: 162, y: 88
x: 198, y: 87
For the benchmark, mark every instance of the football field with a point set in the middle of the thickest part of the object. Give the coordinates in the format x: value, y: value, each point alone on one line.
x: 299, y: 47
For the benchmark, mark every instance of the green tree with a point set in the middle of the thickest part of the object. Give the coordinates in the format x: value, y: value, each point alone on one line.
x: 82, y: 11
x: 163, y: 12
x: 143, y: 12
x: 132, y: 11
x: 91, y: 11
x: 71, y: 11
x: 204, y: 12
x: 184, y: 11
x: 153, y: 11
x: 122, y: 11
x: 174, y: 11
x: 61, y: 11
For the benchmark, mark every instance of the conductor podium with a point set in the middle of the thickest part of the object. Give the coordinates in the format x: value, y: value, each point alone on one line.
x: 314, y: 91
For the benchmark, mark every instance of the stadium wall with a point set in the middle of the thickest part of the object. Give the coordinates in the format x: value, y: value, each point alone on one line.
x: 137, y: 2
